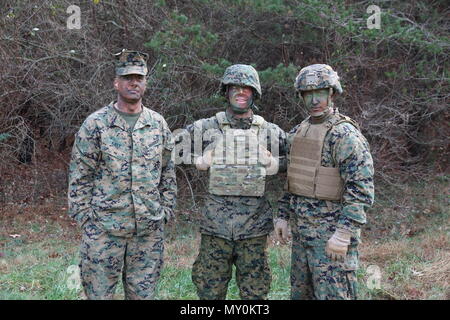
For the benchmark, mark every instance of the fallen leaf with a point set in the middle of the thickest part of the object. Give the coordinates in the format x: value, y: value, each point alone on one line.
x: 14, y: 236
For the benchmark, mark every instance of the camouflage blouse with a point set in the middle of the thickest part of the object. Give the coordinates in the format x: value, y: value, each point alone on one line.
x: 239, y: 217
x: 344, y: 147
x: 122, y: 178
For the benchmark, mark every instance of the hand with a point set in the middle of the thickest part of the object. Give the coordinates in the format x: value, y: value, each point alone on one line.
x: 264, y: 156
x: 281, y: 231
x: 204, y: 162
x: 337, y: 245
x: 267, y: 160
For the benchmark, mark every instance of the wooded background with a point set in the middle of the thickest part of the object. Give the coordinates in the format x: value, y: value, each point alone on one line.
x: 395, y: 79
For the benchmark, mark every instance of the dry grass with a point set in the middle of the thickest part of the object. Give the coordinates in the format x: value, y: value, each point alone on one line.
x: 412, y: 268
x: 409, y: 241
x: 181, y: 253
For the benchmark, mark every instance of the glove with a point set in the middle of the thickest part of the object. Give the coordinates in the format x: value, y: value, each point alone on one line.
x: 281, y: 231
x: 204, y: 162
x: 337, y: 245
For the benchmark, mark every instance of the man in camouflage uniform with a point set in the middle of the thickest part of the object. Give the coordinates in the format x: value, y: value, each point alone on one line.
x: 329, y: 187
x: 122, y: 188
x: 236, y: 217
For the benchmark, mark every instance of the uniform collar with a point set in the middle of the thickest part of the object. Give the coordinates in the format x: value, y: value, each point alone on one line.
x: 322, y: 118
x: 240, y: 123
x: 115, y: 120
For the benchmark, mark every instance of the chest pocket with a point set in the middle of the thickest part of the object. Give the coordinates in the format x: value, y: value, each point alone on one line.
x: 149, y: 145
x: 116, y: 157
x: 114, y: 152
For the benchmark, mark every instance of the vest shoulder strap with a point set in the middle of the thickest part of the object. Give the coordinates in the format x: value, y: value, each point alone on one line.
x: 302, y: 124
x: 224, y: 123
x: 258, y: 122
x: 342, y: 118
x: 223, y: 120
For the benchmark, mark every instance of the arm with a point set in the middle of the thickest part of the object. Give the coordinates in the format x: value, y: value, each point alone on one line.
x: 168, y: 184
x: 277, y: 145
x: 285, y: 202
x: 281, y: 225
x: 353, y: 157
x: 203, y: 133
x: 83, y: 164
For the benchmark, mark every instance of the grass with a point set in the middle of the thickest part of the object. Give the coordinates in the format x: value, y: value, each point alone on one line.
x: 39, y: 269
x: 38, y: 244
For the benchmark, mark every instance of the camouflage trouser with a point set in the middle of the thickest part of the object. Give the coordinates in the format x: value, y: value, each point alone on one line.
x: 212, y: 270
x: 315, y: 276
x: 104, y: 258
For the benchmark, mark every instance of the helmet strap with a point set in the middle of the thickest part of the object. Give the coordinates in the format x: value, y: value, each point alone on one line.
x: 330, y: 101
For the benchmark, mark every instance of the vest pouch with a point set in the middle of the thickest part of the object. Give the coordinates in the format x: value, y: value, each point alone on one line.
x: 236, y: 180
x: 329, y: 184
x: 235, y: 169
x: 253, y: 181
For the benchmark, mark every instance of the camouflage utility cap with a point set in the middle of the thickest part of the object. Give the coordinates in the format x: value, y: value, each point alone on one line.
x: 241, y: 75
x: 131, y: 62
x: 317, y: 76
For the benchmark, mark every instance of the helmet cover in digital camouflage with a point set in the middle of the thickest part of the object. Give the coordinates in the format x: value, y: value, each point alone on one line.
x: 317, y: 76
x: 241, y: 75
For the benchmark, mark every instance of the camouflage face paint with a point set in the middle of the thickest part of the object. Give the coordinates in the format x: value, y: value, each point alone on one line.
x: 240, y: 98
x: 316, y: 101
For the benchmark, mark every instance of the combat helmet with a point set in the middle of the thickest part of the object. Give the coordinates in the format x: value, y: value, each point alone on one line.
x: 241, y: 75
x: 317, y: 76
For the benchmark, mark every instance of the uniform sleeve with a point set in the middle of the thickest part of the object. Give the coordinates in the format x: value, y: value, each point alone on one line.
x: 195, y: 131
x: 278, y: 146
x: 289, y: 138
x: 285, y: 202
x: 168, y: 184
x: 284, y: 206
x: 202, y: 133
x: 83, y: 164
x: 353, y: 157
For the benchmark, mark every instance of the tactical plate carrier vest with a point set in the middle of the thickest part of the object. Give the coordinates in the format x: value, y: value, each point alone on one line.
x: 306, y: 176
x: 235, y: 169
